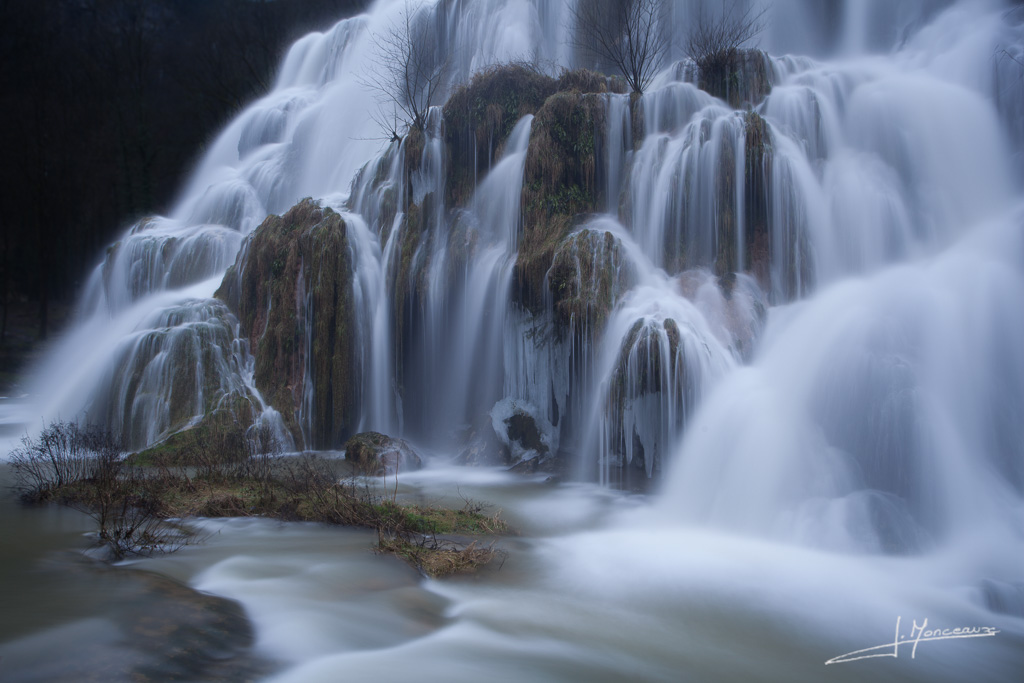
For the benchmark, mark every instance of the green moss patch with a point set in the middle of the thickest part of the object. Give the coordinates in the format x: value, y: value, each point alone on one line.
x: 588, y: 274
x: 560, y: 183
x: 291, y: 288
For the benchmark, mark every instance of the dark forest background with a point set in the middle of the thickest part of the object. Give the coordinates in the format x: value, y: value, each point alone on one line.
x: 105, y: 105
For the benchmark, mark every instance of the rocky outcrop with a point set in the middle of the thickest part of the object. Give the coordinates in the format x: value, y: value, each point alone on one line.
x: 378, y: 454
x: 588, y: 274
x: 742, y: 78
x: 480, y: 116
x: 560, y: 183
x: 291, y: 288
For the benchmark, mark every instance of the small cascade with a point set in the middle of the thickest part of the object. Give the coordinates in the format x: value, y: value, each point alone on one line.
x: 468, y: 294
x: 893, y: 418
x: 157, y: 255
x: 176, y: 367
x: 619, y: 148
x: 652, y: 361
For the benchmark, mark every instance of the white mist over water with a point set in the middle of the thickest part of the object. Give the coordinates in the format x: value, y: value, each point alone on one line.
x: 839, y: 442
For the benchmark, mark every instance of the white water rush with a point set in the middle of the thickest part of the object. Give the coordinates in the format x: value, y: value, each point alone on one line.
x: 788, y: 312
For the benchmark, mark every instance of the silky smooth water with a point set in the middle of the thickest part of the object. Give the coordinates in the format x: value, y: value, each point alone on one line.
x: 835, y: 443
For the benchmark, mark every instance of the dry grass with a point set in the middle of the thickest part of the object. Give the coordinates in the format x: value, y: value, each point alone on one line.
x: 438, y: 559
x: 131, y: 503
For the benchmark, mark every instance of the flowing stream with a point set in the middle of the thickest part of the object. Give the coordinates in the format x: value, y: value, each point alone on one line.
x: 834, y: 433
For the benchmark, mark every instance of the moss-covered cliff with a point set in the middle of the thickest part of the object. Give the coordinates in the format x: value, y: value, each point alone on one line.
x: 560, y: 183
x: 291, y: 288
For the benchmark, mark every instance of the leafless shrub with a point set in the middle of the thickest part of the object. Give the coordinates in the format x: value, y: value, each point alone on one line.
x: 85, y: 468
x: 57, y: 457
x: 714, y: 43
x: 409, y: 73
x: 628, y: 34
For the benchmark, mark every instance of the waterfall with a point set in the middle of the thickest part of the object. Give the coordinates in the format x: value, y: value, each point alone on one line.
x: 789, y: 311
x: 794, y: 307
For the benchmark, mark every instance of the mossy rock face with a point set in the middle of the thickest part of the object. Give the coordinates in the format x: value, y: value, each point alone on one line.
x: 409, y: 272
x: 480, y: 116
x: 560, y: 183
x: 780, y: 263
x: 291, y: 287
x: 743, y: 78
x: 587, y: 276
x: 379, y: 454
x: 790, y: 251
x: 220, y: 437
x: 586, y: 81
x: 756, y: 193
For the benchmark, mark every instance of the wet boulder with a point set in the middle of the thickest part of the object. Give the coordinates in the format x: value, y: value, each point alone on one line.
x: 291, y: 288
x: 378, y: 454
x: 529, y: 437
x: 652, y: 389
x: 560, y: 183
x: 588, y: 274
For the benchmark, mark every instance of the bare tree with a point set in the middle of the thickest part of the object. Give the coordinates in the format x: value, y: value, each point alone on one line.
x: 715, y: 43
x: 628, y: 34
x: 410, y: 73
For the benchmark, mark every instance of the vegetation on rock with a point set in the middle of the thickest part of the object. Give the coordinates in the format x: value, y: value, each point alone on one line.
x: 377, y: 454
x: 291, y: 287
x: 724, y: 69
x: 628, y: 35
x: 559, y: 184
x: 479, y: 117
x: 587, y: 276
x: 134, y: 499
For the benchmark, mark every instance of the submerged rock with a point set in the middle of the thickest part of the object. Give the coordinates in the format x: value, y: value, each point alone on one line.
x: 146, y: 627
x: 528, y: 436
x: 379, y: 454
x: 291, y: 287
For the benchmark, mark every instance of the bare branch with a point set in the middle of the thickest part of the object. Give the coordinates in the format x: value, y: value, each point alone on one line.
x: 628, y: 34
x: 410, y: 72
x: 714, y: 43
